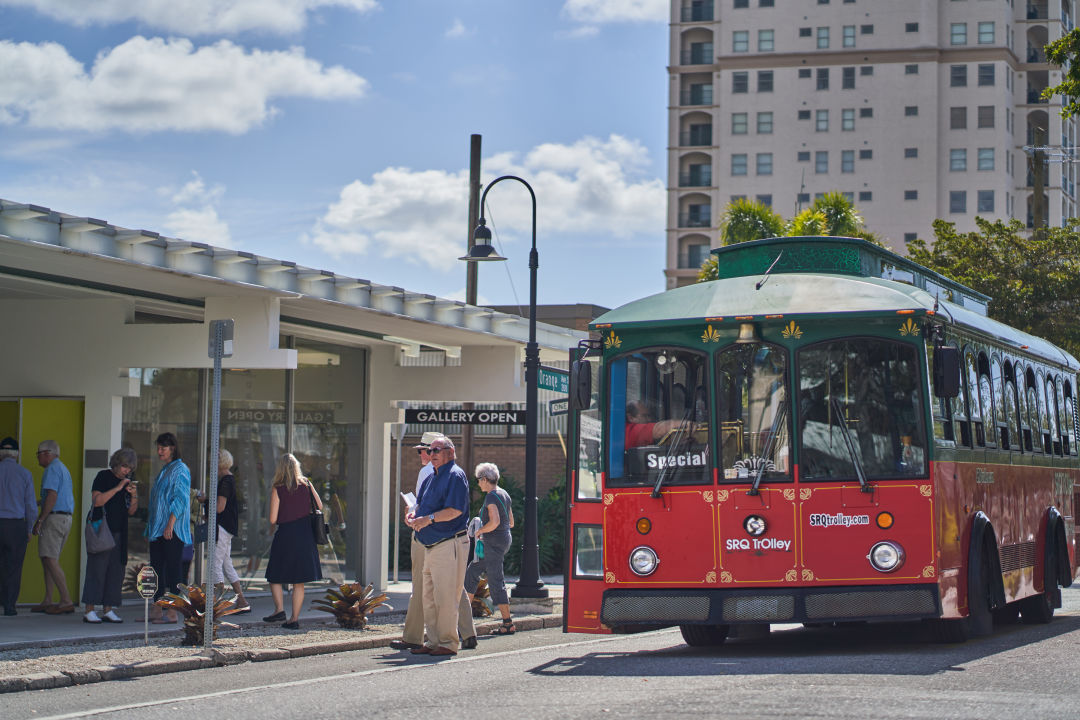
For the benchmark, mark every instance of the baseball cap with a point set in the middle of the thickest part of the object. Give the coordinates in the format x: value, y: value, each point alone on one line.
x: 9, y: 443
x: 427, y: 439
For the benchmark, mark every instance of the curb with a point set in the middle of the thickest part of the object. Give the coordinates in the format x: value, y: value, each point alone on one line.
x: 85, y: 676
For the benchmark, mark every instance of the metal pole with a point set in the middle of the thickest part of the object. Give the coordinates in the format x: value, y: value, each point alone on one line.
x: 198, y: 470
x: 211, y: 495
x: 397, y: 430
x: 474, y: 209
x: 529, y: 584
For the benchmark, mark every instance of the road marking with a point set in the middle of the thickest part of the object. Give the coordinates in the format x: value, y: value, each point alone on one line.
x: 343, y: 676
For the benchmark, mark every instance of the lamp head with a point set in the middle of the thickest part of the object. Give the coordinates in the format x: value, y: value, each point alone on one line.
x: 482, y: 249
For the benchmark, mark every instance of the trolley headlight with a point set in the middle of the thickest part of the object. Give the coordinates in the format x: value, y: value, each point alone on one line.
x: 643, y: 560
x: 754, y: 525
x: 886, y: 556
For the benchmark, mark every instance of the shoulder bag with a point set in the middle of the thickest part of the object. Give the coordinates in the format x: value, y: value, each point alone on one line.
x: 319, y: 528
x: 98, y: 537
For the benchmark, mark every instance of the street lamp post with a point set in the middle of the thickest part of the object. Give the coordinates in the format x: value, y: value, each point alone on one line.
x: 529, y: 584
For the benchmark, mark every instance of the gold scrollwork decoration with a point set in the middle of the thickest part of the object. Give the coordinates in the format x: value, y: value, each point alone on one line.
x: 710, y: 335
x: 721, y: 495
x: 909, y: 328
x: 805, y: 493
x: 789, y: 494
x: 725, y: 577
x: 710, y: 577
x: 791, y: 576
x: 609, y: 577
x: 807, y: 575
x: 612, y: 341
x: 609, y: 498
x: 925, y: 490
x: 707, y: 496
x: 791, y: 331
x: 928, y: 571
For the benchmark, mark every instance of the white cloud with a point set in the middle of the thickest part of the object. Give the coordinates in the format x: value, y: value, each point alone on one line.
x: 153, y: 84
x: 456, y: 30
x: 196, y: 219
x: 192, y: 17
x: 600, y: 11
x: 598, y: 188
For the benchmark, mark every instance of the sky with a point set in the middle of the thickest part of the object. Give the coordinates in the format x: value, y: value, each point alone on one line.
x: 336, y: 133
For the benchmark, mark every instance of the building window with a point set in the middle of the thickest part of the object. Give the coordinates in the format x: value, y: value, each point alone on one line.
x: 765, y: 81
x: 697, y: 175
x: 847, y: 78
x: 821, y: 162
x: 764, y: 163
x: 740, y: 82
x: 738, y: 123
x: 911, y: 27
x: 764, y: 123
x: 806, y: 32
x: 910, y: 237
x: 911, y: 110
x: 957, y: 160
x: 740, y: 4
x: 911, y: 152
x: 957, y: 201
x: 866, y: 70
x: 849, y: 36
x: 847, y: 119
x: 865, y: 196
x: 986, y: 75
x: 986, y: 33
x: 823, y: 79
x: 911, y: 194
x: 986, y: 158
x: 822, y: 2
x: 866, y: 154
x: 986, y: 116
x: 804, y: 73
x: 911, y: 69
x: 766, y: 3
x: 738, y: 164
x: 866, y: 112
x: 765, y: 200
x: 804, y: 114
x: 847, y: 161
x: 958, y: 34
x: 766, y: 40
x: 802, y: 198
x: 696, y: 255
x: 803, y: 156
x: 740, y: 41
x: 821, y: 120
x: 697, y: 216
x: 957, y: 118
x: 700, y: 134
x: 866, y: 29
x: 985, y: 201
x: 958, y: 76
x: 823, y: 38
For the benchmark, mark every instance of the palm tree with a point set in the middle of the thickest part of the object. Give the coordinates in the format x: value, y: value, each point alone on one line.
x: 746, y: 220
x: 841, y: 220
x: 808, y: 222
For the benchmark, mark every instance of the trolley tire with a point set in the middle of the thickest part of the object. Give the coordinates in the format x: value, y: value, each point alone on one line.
x: 1039, y: 609
x: 980, y: 616
x: 1008, y: 615
x: 704, y: 635
x: 951, y: 631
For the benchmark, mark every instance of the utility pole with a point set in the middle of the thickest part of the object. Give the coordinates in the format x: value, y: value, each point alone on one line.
x: 471, y: 277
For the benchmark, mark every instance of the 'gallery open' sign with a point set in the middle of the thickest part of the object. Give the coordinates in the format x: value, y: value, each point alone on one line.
x: 425, y: 416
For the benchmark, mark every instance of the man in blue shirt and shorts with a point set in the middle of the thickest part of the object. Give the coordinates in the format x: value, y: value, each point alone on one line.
x: 53, y: 525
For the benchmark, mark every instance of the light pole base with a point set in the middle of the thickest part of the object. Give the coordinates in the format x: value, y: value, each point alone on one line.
x: 532, y: 590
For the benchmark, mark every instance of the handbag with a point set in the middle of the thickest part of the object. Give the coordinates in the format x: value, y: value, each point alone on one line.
x: 319, y: 528
x: 200, y: 533
x: 98, y: 537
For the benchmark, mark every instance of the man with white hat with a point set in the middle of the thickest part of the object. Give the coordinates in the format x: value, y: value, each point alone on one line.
x: 413, y: 634
x: 18, y: 511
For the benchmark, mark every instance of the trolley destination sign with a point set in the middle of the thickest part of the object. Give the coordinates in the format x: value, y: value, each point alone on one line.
x: 459, y: 416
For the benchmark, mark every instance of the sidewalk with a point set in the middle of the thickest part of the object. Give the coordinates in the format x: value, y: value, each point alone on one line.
x: 29, y: 635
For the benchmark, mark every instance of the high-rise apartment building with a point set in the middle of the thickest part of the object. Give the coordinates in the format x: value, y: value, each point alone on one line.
x: 914, y: 109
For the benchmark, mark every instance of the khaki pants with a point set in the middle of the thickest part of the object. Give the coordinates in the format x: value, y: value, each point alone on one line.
x: 444, y: 591
x: 414, y: 618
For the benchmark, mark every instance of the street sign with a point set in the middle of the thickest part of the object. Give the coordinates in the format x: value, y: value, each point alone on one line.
x: 147, y: 582
x: 559, y: 407
x: 554, y: 379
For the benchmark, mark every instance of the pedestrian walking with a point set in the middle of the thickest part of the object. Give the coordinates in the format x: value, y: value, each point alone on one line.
x: 53, y: 527
x: 294, y: 556
x: 228, y: 521
x: 493, y: 540
x: 18, y: 513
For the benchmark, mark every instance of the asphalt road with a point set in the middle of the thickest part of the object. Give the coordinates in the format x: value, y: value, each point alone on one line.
x: 852, y: 672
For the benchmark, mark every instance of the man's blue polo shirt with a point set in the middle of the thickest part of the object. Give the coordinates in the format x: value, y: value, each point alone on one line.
x: 56, y: 477
x: 447, y: 488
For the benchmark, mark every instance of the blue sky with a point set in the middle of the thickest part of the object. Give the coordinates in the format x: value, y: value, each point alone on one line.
x: 335, y: 133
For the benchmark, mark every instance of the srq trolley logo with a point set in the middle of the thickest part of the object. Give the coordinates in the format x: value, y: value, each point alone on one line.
x: 823, y: 520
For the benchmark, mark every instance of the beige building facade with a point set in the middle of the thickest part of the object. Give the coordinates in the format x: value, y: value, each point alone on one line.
x: 915, y: 110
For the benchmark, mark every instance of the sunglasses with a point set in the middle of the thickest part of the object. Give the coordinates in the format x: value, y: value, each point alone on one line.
x: 423, y: 451
x: 435, y: 451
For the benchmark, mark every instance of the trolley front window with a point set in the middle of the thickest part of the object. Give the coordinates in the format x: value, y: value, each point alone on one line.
x: 860, y: 403
x: 659, y: 415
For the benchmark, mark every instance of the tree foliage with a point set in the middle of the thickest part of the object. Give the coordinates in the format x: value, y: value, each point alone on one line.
x: 1064, y: 52
x: 1034, y: 282
x: 745, y: 220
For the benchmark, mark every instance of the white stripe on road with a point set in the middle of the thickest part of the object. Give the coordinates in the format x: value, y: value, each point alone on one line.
x: 342, y: 676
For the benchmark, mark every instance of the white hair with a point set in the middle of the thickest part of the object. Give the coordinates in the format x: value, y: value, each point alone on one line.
x: 51, y: 446
x: 488, y: 471
x: 225, y: 459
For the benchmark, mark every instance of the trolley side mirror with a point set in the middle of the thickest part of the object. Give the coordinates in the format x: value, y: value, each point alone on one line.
x: 580, y: 385
x: 946, y: 371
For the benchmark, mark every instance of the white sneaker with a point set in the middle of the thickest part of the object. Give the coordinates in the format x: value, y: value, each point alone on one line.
x: 112, y: 617
x: 91, y: 617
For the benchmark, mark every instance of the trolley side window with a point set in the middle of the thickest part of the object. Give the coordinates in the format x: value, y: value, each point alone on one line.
x: 860, y: 401
x: 659, y: 419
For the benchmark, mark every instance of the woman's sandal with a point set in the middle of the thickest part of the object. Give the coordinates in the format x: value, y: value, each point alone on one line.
x: 507, y: 628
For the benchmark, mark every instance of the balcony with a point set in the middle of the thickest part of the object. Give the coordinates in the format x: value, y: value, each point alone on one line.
x: 696, y: 138
x: 697, y: 55
x: 694, y: 256
x: 698, y: 12
x: 1036, y: 55
x: 1034, y: 97
x: 694, y: 220
x: 700, y: 178
x: 1037, y: 11
x: 697, y: 95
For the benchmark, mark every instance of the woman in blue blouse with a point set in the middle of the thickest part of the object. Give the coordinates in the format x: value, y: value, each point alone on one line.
x: 168, y: 526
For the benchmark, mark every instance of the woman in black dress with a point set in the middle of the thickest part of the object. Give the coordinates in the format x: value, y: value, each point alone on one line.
x: 113, y: 496
x: 294, y: 556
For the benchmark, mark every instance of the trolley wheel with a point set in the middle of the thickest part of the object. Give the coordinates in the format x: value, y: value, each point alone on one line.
x: 980, y: 617
x: 1039, y: 609
x: 704, y: 635
x: 951, y: 631
x: 1008, y: 615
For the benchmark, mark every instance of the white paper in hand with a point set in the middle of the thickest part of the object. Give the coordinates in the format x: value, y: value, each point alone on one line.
x: 409, y: 499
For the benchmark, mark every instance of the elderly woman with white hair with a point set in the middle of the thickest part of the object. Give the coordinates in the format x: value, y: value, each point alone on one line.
x: 228, y: 524
x: 493, y: 540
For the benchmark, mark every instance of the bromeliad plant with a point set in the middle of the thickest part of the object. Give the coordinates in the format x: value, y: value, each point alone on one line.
x: 350, y: 604
x: 191, y: 603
